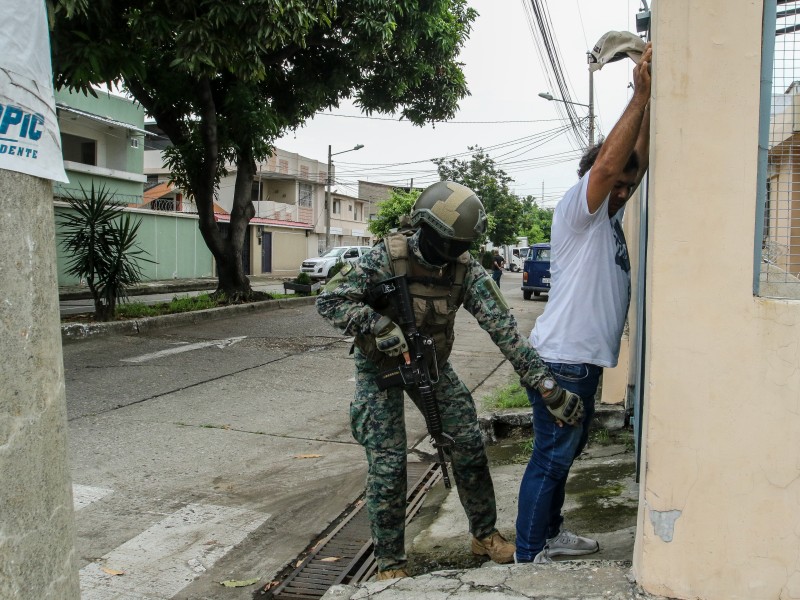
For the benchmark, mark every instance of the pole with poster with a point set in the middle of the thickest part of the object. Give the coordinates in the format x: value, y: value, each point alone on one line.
x: 37, y: 537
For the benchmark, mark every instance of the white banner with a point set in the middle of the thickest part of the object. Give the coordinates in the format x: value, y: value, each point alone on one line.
x: 30, y: 142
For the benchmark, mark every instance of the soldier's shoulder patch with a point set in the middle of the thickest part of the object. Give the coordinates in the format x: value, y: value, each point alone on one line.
x: 348, y: 266
x: 491, y: 294
x: 334, y: 282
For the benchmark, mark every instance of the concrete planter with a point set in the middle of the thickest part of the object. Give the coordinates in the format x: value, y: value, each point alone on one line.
x: 311, y: 288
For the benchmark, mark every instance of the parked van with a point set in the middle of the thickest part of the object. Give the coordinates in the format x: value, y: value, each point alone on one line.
x: 536, y: 273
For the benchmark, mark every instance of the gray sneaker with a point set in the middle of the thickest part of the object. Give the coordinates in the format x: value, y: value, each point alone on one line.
x: 542, y: 558
x: 567, y: 543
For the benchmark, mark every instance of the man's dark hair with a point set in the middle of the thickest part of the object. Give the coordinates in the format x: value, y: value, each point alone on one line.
x: 587, y: 160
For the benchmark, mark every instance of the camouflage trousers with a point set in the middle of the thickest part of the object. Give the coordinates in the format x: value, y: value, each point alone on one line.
x: 378, y: 424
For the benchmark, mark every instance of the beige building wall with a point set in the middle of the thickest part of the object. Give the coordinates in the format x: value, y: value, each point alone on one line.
x: 287, y: 246
x: 719, y: 515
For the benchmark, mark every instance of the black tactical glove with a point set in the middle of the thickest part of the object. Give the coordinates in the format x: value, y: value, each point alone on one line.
x: 564, y: 405
x: 389, y: 337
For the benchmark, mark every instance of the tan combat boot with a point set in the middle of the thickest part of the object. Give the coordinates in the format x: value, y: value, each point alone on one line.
x: 496, y: 547
x: 392, y: 574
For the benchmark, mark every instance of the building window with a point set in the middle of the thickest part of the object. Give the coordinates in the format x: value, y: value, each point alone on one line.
x: 79, y: 149
x: 255, y: 191
x: 337, y: 207
x: 777, y: 251
x: 357, y: 213
x: 305, y: 195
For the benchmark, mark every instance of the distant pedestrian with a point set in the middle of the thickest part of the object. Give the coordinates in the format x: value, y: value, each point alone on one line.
x: 580, y: 330
x: 498, y: 262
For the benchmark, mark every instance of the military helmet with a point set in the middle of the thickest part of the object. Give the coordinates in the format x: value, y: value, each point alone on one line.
x: 452, y: 210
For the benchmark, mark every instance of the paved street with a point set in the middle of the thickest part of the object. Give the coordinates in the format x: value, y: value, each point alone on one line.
x: 218, y: 451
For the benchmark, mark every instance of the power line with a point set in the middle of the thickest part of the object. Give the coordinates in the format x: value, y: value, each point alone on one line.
x: 549, y: 56
x: 324, y: 114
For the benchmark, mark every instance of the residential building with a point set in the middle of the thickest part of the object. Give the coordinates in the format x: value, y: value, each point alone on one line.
x: 782, y: 215
x: 288, y: 196
x: 375, y: 193
x: 349, y: 220
x: 103, y: 139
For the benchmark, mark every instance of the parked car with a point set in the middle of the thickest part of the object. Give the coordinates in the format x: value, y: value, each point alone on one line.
x: 319, y: 267
x: 536, y: 273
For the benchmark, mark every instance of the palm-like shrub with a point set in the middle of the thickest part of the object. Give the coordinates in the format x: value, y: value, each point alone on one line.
x: 100, y: 242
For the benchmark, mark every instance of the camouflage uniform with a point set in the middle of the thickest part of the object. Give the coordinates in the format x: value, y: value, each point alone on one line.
x: 376, y: 416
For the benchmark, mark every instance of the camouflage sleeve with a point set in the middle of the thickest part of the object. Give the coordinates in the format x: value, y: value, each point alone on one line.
x: 343, y: 299
x: 485, y: 302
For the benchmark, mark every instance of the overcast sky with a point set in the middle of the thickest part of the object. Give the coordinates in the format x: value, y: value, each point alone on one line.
x: 504, y: 75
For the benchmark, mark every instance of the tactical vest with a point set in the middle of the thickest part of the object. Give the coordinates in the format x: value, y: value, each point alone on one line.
x: 436, y: 297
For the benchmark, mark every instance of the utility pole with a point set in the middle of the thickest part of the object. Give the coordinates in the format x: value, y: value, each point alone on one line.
x: 329, y: 181
x: 548, y: 96
x: 37, y: 535
x: 328, y: 204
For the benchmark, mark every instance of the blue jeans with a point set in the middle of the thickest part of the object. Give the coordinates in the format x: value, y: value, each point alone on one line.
x: 496, y: 275
x: 541, y: 493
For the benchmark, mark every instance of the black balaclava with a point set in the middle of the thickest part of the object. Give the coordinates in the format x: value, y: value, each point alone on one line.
x: 435, y: 248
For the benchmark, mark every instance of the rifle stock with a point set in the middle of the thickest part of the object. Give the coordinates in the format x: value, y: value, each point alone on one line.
x: 415, y: 374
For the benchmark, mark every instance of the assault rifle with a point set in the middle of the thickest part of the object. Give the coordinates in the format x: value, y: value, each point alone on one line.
x: 413, y: 373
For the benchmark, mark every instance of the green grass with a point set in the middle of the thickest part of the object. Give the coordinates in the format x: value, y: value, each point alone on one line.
x: 510, y: 396
x: 178, y: 304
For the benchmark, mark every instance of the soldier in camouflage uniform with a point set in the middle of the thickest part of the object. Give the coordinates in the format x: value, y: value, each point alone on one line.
x: 442, y: 276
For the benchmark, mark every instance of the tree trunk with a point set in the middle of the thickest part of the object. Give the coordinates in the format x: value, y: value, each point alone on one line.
x: 232, y: 281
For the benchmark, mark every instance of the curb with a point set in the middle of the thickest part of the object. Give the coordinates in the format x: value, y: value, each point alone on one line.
x: 495, y: 425
x: 144, y: 290
x: 83, y: 331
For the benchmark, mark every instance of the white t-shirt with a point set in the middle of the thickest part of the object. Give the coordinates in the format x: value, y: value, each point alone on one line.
x: 590, y: 284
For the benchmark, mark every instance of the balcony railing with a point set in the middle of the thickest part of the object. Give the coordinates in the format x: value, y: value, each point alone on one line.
x: 279, y: 211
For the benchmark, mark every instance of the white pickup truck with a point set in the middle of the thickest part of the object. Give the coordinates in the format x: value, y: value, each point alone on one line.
x: 320, y: 266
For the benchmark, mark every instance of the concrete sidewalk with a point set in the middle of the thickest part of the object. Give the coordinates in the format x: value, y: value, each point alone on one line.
x: 169, y: 286
x: 602, y: 502
x: 78, y: 330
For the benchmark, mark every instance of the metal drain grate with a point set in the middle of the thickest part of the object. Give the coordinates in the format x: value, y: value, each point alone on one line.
x: 345, y: 555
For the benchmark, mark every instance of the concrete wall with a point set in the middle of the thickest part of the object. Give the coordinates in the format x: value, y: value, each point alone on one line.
x: 289, y: 249
x: 173, y: 241
x: 37, y: 529
x: 720, y: 493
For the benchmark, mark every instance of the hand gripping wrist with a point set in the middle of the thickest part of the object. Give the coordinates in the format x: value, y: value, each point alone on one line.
x: 564, y: 405
x: 389, y: 337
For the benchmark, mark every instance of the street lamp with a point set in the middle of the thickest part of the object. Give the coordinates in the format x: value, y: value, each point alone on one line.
x: 590, y: 106
x: 328, y: 194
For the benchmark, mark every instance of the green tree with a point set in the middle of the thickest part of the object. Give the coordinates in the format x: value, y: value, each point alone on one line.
x: 490, y: 183
x: 224, y: 78
x: 535, y: 221
x: 398, y: 205
x: 100, y: 242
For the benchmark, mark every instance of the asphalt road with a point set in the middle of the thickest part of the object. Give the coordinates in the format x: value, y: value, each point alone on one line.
x: 219, y: 451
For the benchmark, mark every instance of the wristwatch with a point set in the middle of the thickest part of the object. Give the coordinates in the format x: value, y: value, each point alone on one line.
x: 546, y: 386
